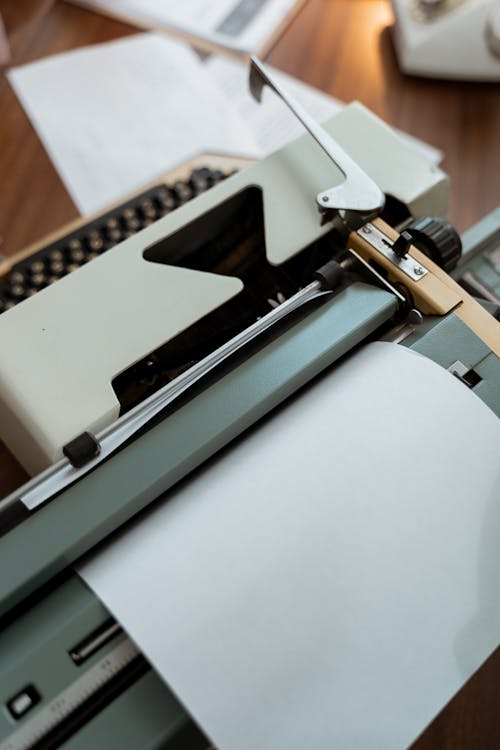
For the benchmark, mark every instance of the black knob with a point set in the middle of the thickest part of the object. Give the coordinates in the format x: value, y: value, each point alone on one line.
x: 438, y: 240
x: 402, y: 244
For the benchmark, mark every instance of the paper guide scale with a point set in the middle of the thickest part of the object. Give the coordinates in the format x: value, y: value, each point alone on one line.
x: 249, y: 278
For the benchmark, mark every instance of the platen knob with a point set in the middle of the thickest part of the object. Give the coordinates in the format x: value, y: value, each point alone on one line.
x: 438, y: 240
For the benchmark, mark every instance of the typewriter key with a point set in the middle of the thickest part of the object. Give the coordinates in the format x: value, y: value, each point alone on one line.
x: 36, y: 267
x: 17, y: 277
x: 133, y: 224
x: 77, y: 255
x: 17, y: 291
x: 166, y: 199
x: 38, y: 280
x: 111, y: 223
x: 114, y: 236
x: 148, y: 209
x: 95, y: 241
x: 182, y: 191
x: 56, y: 268
x: 129, y: 213
x: 217, y: 175
x: 201, y: 176
x: 74, y: 244
x: 200, y: 183
x: 55, y: 256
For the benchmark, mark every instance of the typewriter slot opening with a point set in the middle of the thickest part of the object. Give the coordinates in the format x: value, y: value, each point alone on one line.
x: 93, y: 642
x: 228, y: 240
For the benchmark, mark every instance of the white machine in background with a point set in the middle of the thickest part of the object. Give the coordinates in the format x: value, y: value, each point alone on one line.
x: 448, y: 38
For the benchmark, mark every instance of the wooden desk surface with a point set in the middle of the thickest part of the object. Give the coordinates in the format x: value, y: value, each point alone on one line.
x: 344, y: 48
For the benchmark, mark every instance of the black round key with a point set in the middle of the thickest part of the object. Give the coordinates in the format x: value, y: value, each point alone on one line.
x: 17, y: 277
x: 56, y: 268
x: 200, y: 184
x: 148, y: 209
x: 95, y: 241
x: 115, y: 235
x: 37, y: 266
x: 166, y: 199
x: 183, y: 191
x: 38, y: 280
x: 55, y: 256
x: 217, y: 175
x: 201, y: 179
x: 111, y: 223
x: 133, y: 224
x: 74, y: 244
x: 17, y: 291
x: 77, y: 255
x: 129, y: 213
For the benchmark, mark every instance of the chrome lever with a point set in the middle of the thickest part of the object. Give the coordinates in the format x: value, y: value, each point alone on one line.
x: 358, y: 192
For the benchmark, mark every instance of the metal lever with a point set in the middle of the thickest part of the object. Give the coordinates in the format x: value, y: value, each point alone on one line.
x: 358, y: 192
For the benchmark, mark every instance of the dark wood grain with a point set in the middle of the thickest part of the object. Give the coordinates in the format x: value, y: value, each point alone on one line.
x: 344, y: 48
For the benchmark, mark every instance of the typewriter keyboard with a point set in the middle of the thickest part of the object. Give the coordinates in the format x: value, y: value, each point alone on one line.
x: 50, y: 263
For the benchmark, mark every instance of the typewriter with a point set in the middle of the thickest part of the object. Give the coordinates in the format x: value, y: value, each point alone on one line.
x: 138, y: 344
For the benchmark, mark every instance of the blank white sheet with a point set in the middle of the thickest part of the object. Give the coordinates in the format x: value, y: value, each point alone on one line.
x: 332, y: 579
x: 114, y: 116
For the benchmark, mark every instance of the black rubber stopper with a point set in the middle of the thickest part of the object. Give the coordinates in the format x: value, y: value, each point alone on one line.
x: 330, y: 275
x: 81, y: 449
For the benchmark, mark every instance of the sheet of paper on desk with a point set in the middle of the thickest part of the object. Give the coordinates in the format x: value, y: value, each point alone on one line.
x: 239, y: 25
x: 114, y: 116
x: 332, y: 579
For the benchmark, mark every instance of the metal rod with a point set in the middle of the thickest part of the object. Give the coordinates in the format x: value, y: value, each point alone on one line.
x: 377, y: 275
x: 358, y: 192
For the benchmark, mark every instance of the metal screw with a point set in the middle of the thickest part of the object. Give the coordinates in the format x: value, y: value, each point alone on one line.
x: 366, y: 230
x: 418, y: 270
x: 325, y: 199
